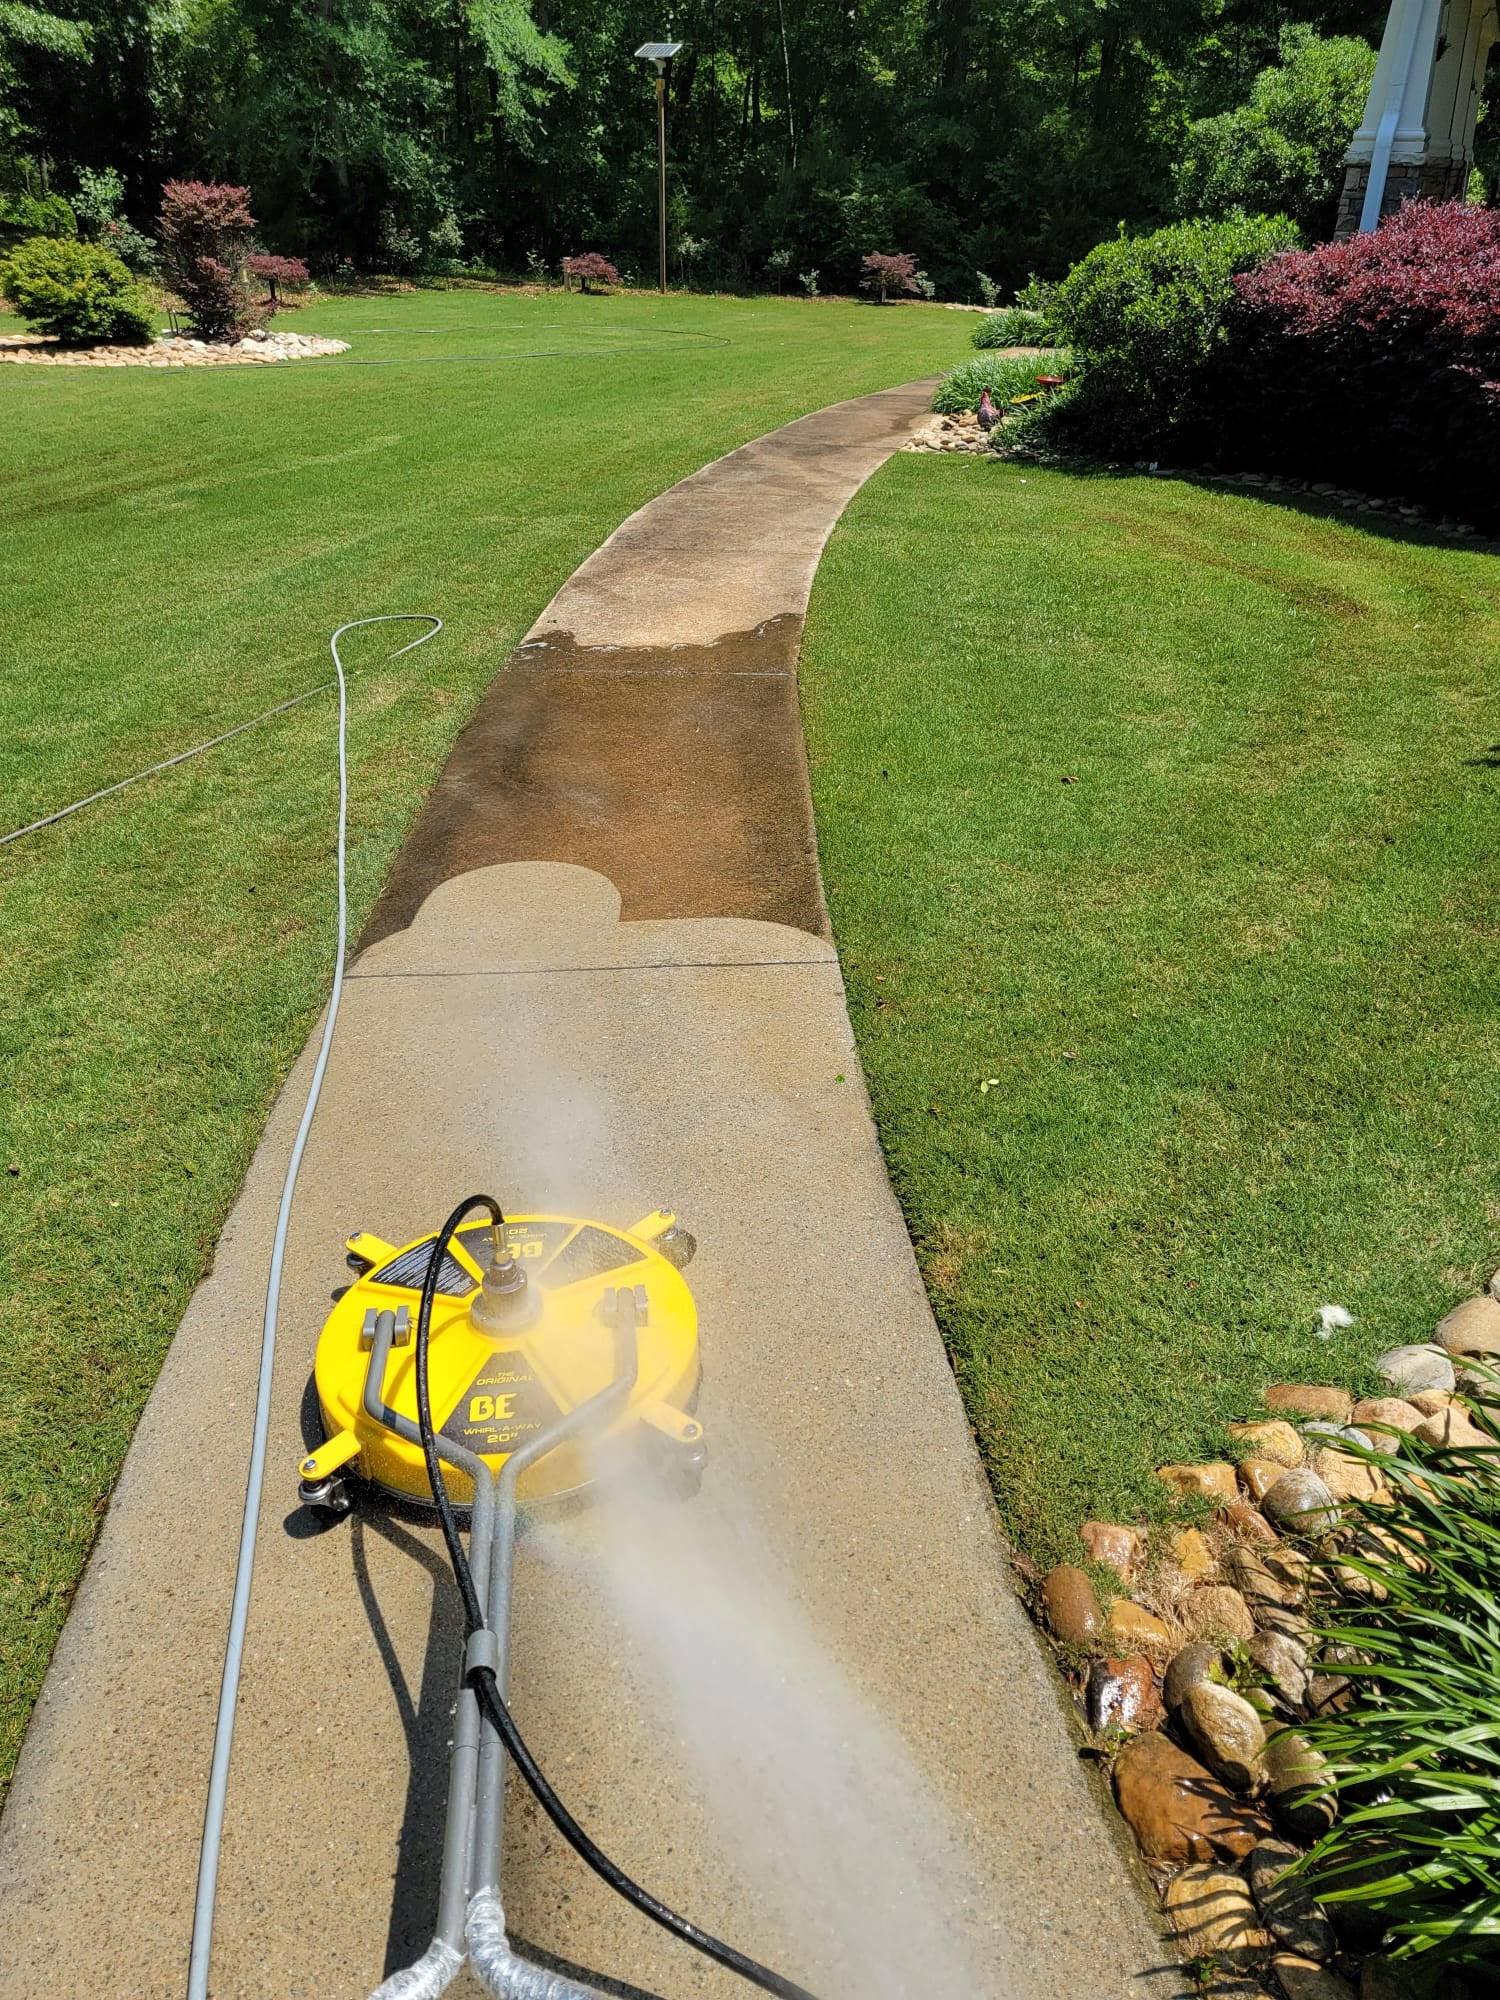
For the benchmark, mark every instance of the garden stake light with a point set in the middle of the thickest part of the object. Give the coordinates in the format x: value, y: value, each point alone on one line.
x: 660, y: 53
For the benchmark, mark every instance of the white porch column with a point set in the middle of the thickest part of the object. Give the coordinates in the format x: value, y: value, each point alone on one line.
x: 1417, y: 136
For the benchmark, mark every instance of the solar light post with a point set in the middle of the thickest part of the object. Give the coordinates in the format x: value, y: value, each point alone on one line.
x: 660, y: 53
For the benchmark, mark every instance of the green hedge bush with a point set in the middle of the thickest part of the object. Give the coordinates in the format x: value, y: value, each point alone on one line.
x: 1145, y: 318
x: 77, y: 291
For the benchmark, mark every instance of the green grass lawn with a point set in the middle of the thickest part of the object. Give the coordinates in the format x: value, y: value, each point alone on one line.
x: 176, y: 548
x: 1171, y: 816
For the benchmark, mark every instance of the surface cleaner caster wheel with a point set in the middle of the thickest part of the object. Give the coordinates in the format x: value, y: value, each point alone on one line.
x: 330, y: 1499
x: 679, y: 1471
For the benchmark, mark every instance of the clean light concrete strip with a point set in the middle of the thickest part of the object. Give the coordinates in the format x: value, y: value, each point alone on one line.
x: 805, y: 1707
x: 708, y: 1065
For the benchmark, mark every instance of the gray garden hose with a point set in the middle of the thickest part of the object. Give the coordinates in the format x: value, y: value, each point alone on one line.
x: 218, y: 1777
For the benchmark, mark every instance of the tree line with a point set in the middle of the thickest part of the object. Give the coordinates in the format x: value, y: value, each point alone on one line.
x: 994, y: 137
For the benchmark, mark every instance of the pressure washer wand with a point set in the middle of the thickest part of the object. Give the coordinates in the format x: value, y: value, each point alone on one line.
x: 485, y: 1654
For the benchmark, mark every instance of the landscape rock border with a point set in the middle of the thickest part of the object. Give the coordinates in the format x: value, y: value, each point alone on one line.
x: 1193, y: 1654
x: 173, y: 350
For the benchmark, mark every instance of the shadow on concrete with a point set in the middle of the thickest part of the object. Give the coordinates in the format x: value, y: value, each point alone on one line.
x: 599, y: 1982
x: 426, y: 1723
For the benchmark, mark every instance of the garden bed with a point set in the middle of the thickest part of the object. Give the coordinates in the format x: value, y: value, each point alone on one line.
x: 1210, y: 1660
x: 170, y: 350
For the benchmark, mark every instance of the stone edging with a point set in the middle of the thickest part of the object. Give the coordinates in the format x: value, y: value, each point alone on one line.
x: 1194, y: 1654
x: 170, y: 351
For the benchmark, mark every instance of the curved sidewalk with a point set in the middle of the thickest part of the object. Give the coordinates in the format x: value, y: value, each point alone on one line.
x: 599, y: 980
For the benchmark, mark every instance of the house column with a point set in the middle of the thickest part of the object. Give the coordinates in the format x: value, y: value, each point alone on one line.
x: 1416, y: 140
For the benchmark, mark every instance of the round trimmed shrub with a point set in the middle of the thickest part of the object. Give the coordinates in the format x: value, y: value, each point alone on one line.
x: 77, y: 291
x: 1145, y: 315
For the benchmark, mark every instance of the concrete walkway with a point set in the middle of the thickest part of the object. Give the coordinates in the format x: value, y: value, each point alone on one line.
x: 806, y: 1707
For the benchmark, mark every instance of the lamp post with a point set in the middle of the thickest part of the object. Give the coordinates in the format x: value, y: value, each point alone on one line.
x: 660, y: 53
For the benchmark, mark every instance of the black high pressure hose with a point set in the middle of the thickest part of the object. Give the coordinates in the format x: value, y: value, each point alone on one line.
x: 487, y: 1688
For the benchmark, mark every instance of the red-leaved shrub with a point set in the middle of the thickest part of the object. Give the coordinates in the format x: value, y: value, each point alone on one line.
x: 205, y: 235
x: 275, y: 271
x: 1374, y: 362
x: 590, y: 266
x: 885, y: 274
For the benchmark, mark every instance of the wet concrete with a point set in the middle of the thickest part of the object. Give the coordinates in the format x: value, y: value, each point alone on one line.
x: 679, y: 772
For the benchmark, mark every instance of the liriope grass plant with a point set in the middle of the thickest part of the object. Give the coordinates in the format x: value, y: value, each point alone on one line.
x: 1415, y: 1756
x: 1014, y: 326
x: 1010, y: 378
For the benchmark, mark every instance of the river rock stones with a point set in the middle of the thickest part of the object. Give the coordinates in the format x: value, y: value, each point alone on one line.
x: 1345, y: 1476
x: 1409, y: 1370
x: 1190, y: 1665
x: 1177, y: 1810
x: 1273, y: 1438
x: 1379, y: 1416
x: 1122, y: 1695
x: 1216, y: 1610
x: 1327, y: 1693
x: 1214, y: 1482
x: 1259, y: 1475
x: 1452, y: 1426
x: 1226, y: 1732
x: 1287, y: 1904
x: 1301, y: 1502
x: 1214, y: 1915
x: 1249, y: 1522
x: 1071, y: 1608
x: 1303, y: 1399
x: 1192, y: 1555
x: 1471, y: 1328
x: 1304, y: 1979
x: 1284, y: 1662
x: 1296, y: 1775
x: 1106, y: 1542
x: 1256, y: 1581
x: 1132, y: 1624
x: 1430, y: 1401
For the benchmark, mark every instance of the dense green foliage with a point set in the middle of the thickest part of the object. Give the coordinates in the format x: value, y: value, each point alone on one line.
x: 1280, y: 153
x: 977, y: 136
x: 1230, y: 988
x: 23, y: 215
x: 1416, y: 1756
x: 1145, y: 315
x: 75, y: 290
